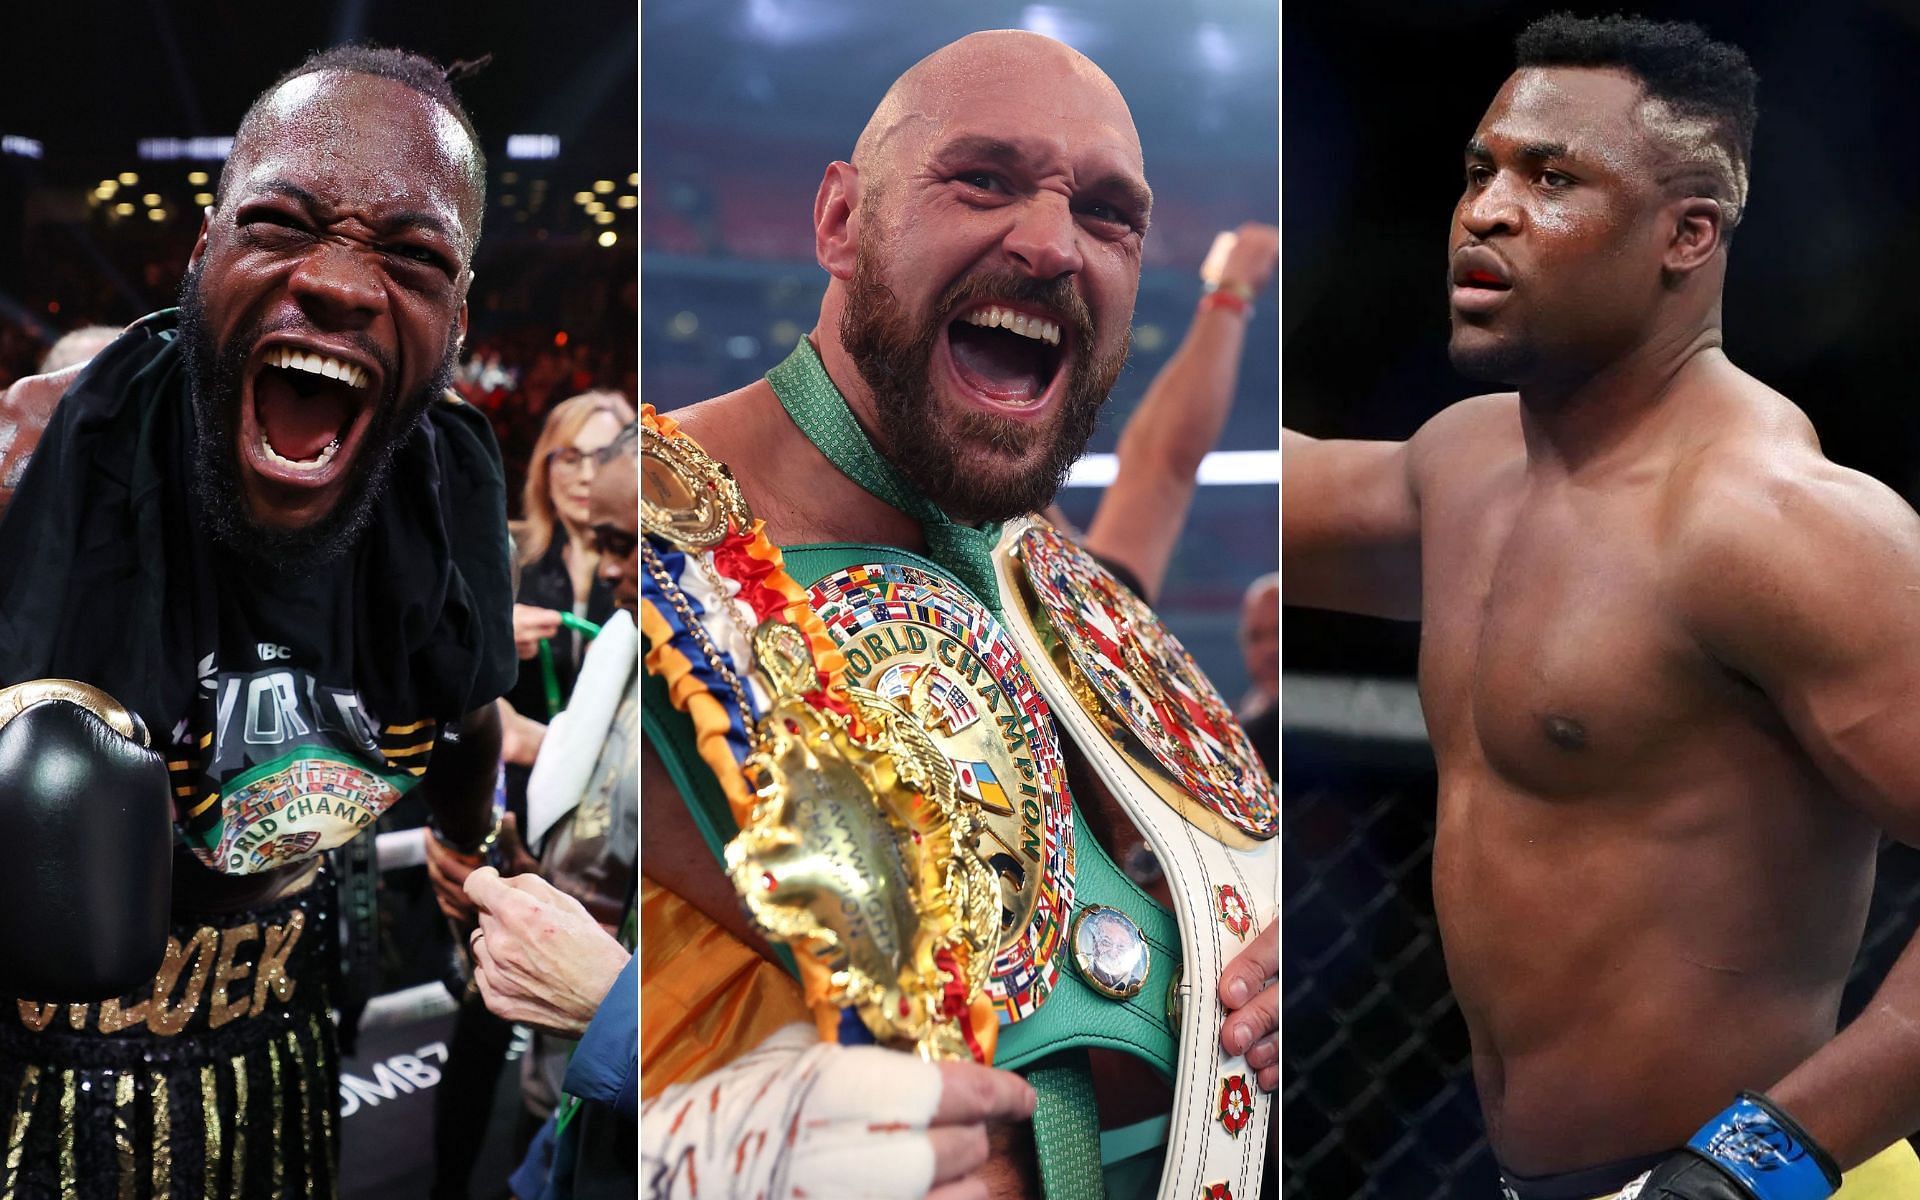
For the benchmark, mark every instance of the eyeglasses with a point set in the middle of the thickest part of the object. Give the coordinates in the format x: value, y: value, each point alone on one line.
x: 569, y: 458
x: 613, y: 542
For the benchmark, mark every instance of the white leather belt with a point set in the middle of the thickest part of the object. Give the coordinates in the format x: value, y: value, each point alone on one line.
x: 1125, y: 692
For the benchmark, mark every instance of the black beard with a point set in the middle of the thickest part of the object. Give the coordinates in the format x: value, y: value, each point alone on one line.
x: 215, y: 375
x: 1019, y: 466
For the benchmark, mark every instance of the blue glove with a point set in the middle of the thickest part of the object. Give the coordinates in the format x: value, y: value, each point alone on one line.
x: 1752, y: 1151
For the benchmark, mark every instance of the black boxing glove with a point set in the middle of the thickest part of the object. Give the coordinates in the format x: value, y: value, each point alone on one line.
x: 1752, y: 1151
x: 86, y: 845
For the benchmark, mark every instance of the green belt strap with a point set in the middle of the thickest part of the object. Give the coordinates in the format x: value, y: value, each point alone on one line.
x: 818, y: 409
x: 1066, y: 1129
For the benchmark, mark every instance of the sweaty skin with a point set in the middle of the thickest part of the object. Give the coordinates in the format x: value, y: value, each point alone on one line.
x: 346, y: 221
x: 1667, y: 663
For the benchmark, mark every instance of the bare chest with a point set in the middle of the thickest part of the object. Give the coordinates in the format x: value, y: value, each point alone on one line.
x: 1549, y: 652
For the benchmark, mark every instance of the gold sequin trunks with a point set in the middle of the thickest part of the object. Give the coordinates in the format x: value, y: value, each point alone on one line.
x: 219, y: 1079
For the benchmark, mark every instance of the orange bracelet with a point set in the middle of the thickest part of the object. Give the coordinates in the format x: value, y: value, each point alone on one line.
x: 1227, y: 298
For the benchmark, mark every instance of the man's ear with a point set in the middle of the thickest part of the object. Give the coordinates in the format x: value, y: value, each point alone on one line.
x: 1699, y: 227
x: 200, y: 240
x: 836, y: 231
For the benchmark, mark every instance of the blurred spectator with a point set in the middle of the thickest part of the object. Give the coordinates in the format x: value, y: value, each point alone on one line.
x: 557, y: 569
x: 582, y: 812
x: 583, y: 798
x: 1260, y: 647
x: 78, y: 347
x: 558, y: 566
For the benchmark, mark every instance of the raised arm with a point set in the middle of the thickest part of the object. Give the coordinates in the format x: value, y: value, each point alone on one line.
x: 1141, y: 516
x: 1826, y: 620
x: 1349, y: 526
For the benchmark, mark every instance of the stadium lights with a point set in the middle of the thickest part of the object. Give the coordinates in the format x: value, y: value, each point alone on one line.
x: 206, y: 149
x: 19, y: 146
x: 609, y: 237
x: 1222, y: 468
x: 533, y: 145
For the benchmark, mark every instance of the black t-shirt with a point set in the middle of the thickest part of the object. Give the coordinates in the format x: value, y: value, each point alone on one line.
x: 292, y: 711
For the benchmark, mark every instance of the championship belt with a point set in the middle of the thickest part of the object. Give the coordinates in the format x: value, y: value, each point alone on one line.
x: 855, y: 847
x: 1161, y: 739
x: 1087, y: 959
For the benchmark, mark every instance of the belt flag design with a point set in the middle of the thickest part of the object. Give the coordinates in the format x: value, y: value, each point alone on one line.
x: 918, y: 639
x: 1148, y: 685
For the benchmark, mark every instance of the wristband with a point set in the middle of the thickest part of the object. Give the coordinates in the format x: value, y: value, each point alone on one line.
x: 1767, y: 1151
x: 1236, y: 298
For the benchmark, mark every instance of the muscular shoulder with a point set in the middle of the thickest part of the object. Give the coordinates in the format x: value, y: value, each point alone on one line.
x: 784, y: 478
x: 1775, y: 554
x: 739, y: 428
x: 30, y: 401
x: 1466, y: 436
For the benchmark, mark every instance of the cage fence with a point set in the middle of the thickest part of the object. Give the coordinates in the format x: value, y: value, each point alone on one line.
x: 1377, y: 1099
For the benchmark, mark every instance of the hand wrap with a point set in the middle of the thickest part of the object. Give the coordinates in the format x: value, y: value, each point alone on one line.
x: 794, y: 1117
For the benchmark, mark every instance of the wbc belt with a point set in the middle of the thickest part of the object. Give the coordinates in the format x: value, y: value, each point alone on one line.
x: 1159, y: 736
x: 917, y: 638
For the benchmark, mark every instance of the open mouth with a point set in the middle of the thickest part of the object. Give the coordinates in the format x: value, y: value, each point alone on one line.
x: 303, y: 413
x: 1008, y: 358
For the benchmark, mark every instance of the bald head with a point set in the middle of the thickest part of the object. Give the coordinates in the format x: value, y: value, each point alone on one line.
x: 1050, y: 78
x: 1000, y: 174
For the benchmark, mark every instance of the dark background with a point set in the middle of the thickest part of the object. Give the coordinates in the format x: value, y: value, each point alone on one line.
x: 1381, y: 97
x: 743, y: 104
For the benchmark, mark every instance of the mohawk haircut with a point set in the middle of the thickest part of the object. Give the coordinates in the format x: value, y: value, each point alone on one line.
x: 1700, y: 92
x: 404, y: 67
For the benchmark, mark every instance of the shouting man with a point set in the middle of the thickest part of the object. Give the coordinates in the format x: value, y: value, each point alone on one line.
x: 983, y: 249
x: 259, y: 526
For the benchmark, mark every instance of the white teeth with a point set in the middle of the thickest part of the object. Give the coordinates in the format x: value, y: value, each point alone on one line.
x: 312, y: 464
x: 289, y: 359
x: 1037, y: 328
